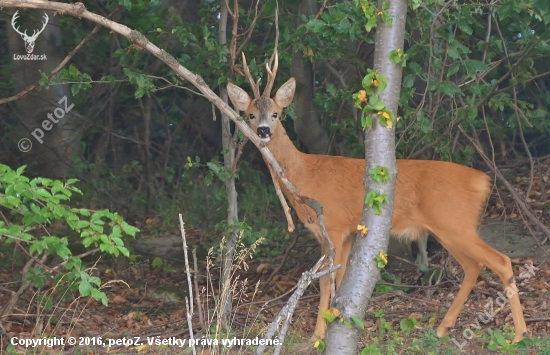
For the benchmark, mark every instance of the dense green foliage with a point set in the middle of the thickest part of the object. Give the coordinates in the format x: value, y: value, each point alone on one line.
x: 34, y: 206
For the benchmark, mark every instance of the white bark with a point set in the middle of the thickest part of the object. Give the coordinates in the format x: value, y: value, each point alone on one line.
x: 362, y: 273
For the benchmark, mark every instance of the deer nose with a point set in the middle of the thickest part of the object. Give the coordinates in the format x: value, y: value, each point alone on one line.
x: 264, y: 132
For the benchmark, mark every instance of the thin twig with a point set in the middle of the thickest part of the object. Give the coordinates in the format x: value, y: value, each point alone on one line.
x: 282, y: 199
x: 188, y: 272
x: 190, y: 326
x: 238, y: 156
x: 197, y: 293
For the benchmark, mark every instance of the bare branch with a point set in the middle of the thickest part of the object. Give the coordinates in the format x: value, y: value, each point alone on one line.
x: 279, y: 193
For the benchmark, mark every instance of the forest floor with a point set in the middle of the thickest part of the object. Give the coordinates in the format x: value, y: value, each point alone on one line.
x: 147, y: 300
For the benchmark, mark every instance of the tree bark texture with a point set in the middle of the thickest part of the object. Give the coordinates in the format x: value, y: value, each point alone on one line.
x: 355, y: 291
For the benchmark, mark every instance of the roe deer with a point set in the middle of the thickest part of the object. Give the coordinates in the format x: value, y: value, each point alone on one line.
x: 441, y: 198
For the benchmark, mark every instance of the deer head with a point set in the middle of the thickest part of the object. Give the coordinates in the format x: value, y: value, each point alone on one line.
x: 264, y: 112
x: 29, y: 40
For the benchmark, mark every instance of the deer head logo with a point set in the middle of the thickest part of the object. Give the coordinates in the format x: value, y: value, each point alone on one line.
x: 29, y: 40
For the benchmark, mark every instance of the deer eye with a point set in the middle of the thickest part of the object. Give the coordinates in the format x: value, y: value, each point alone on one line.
x: 275, y: 115
x: 251, y: 116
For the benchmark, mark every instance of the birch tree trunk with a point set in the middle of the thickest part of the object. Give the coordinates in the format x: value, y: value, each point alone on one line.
x: 362, y: 273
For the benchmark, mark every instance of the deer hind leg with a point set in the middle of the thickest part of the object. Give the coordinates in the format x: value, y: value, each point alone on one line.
x: 422, y: 256
x: 472, y: 253
x: 342, y: 248
x: 471, y: 272
x: 502, y: 266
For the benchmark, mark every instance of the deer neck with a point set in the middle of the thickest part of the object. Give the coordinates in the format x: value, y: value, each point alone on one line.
x: 289, y: 158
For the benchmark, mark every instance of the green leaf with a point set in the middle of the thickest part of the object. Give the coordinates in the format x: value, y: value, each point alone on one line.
x: 379, y: 174
x: 128, y: 229
x: 505, y: 11
x: 407, y: 324
x: 123, y: 250
x: 457, y: 50
x: 85, y: 288
x: 330, y: 316
x: 74, y: 263
x: 383, y: 82
x: 371, y: 349
x: 453, y: 68
x: 316, y: 25
x: 473, y: 66
x: 465, y: 26
x: 73, y: 71
x: 82, y: 224
x: 375, y: 200
x: 543, y: 8
x: 63, y: 252
x: 157, y: 263
x: 95, y: 280
x: 118, y: 241
x: 376, y: 104
x: 43, y: 193
x: 449, y: 88
x: 100, y: 296
x: 371, y: 23
x: 320, y: 345
x: 96, y: 228
x: 358, y: 321
x: 367, y: 82
x: 116, y: 232
x: 344, y: 26
x: 366, y: 118
x: 87, y: 241
x: 386, y: 17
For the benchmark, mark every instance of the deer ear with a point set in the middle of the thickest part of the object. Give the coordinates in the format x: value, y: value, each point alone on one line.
x: 238, y: 96
x: 285, y: 94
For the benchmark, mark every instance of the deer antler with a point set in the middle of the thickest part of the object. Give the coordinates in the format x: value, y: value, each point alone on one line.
x: 255, y: 85
x: 271, y: 76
